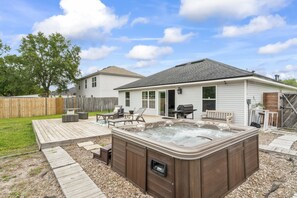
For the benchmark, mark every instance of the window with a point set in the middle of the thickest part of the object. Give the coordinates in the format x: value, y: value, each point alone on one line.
x: 78, y: 87
x: 144, y: 99
x: 208, y: 98
x: 152, y: 96
x: 94, y: 83
x: 127, y: 99
x: 86, y: 83
x: 149, y: 99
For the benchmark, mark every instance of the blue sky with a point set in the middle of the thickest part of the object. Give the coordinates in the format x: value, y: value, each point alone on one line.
x: 150, y: 36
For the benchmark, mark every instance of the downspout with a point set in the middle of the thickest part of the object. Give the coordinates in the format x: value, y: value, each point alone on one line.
x: 245, y: 109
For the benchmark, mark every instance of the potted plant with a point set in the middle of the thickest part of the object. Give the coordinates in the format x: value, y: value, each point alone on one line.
x: 259, y: 106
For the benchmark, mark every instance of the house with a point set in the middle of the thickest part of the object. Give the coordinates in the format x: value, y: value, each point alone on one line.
x: 207, y: 84
x: 71, y: 92
x: 102, y: 83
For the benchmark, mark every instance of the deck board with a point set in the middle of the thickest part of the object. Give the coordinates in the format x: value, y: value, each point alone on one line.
x: 73, y: 180
x: 52, y: 132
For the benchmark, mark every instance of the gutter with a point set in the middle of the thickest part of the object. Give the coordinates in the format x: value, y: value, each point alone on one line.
x: 212, y: 81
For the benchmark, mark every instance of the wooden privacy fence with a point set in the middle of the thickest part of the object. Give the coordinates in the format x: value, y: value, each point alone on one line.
x: 286, y: 106
x: 91, y: 104
x: 29, y: 107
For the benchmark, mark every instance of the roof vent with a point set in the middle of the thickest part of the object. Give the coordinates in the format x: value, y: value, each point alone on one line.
x: 276, y: 77
x: 253, y: 71
x: 199, y: 61
x: 181, y: 65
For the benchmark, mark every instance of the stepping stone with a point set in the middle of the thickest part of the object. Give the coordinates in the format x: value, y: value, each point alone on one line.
x: 97, y: 151
x: 284, y: 141
x: 82, y: 144
x: 269, y: 148
x: 57, y: 157
x: 292, y: 138
x: 92, y: 147
x: 73, y: 180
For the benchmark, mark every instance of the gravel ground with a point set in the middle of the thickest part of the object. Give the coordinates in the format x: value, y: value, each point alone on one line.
x: 267, y: 138
x: 294, y: 146
x: 111, y: 183
x: 275, y: 178
x: 28, y: 176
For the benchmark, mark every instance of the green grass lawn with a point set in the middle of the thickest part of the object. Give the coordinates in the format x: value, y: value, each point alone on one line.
x: 17, y: 136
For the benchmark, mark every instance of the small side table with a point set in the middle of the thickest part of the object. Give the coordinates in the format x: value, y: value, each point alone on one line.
x: 83, y: 115
x: 70, y: 118
x: 105, y: 154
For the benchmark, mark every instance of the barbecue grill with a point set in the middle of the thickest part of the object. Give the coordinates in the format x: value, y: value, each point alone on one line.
x: 183, y: 110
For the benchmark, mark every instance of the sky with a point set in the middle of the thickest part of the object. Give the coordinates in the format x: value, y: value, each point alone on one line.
x: 149, y: 36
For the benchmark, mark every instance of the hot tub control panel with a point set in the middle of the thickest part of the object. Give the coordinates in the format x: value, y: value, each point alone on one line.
x: 159, y: 168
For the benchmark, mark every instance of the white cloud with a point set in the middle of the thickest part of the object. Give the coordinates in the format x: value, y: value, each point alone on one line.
x: 139, y: 20
x: 174, y: 35
x: 277, y: 47
x: 81, y: 18
x: 148, y: 52
x: 97, y: 53
x: 258, y: 24
x: 127, y: 39
x: 202, y: 9
x: 145, y: 63
x: 290, y: 71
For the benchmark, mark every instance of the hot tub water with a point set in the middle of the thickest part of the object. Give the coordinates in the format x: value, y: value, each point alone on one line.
x: 184, y: 135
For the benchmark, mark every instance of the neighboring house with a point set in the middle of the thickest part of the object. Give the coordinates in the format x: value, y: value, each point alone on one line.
x: 71, y: 92
x: 102, y: 83
x: 206, y: 84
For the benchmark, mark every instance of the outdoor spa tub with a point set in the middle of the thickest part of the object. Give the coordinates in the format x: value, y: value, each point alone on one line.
x: 185, y: 158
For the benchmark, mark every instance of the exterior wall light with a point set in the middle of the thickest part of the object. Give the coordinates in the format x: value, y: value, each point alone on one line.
x: 179, y: 90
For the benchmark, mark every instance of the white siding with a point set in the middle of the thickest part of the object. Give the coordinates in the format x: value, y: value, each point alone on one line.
x: 230, y: 98
x: 136, y: 102
x: 190, y: 95
x: 105, y: 85
x: 89, y: 91
x: 255, y: 91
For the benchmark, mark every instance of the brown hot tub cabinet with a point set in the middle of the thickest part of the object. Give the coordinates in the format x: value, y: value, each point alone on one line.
x: 209, y: 170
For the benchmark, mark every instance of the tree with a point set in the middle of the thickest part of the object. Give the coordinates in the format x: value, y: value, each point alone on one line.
x: 291, y: 81
x: 13, y: 79
x: 3, y: 48
x: 50, y: 60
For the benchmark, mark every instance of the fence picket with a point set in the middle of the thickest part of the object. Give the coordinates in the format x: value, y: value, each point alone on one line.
x: 28, y: 107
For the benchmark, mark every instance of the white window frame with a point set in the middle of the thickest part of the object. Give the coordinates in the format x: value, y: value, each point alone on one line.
x: 94, y: 81
x: 127, y: 99
x: 207, y: 98
x: 148, y: 99
x: 143, y: 99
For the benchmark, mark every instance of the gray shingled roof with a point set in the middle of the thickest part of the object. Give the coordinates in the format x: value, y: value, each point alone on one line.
x: 114, y: 70
x: 202, y: 70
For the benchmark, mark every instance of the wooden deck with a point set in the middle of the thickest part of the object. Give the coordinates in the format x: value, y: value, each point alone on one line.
x: 52, y: 132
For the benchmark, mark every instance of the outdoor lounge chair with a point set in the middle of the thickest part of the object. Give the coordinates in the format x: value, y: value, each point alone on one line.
x: 136, y: 117
x: 117, y: 113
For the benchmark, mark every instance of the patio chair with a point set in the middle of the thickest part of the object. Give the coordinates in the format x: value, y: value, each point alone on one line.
x: 117, y: 113
x: 136, y: 117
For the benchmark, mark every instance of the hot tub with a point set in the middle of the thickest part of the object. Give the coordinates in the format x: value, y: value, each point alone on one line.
x: 181, y: 158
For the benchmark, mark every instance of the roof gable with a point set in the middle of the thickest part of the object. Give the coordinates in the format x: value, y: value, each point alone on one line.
x: 114, y: 70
